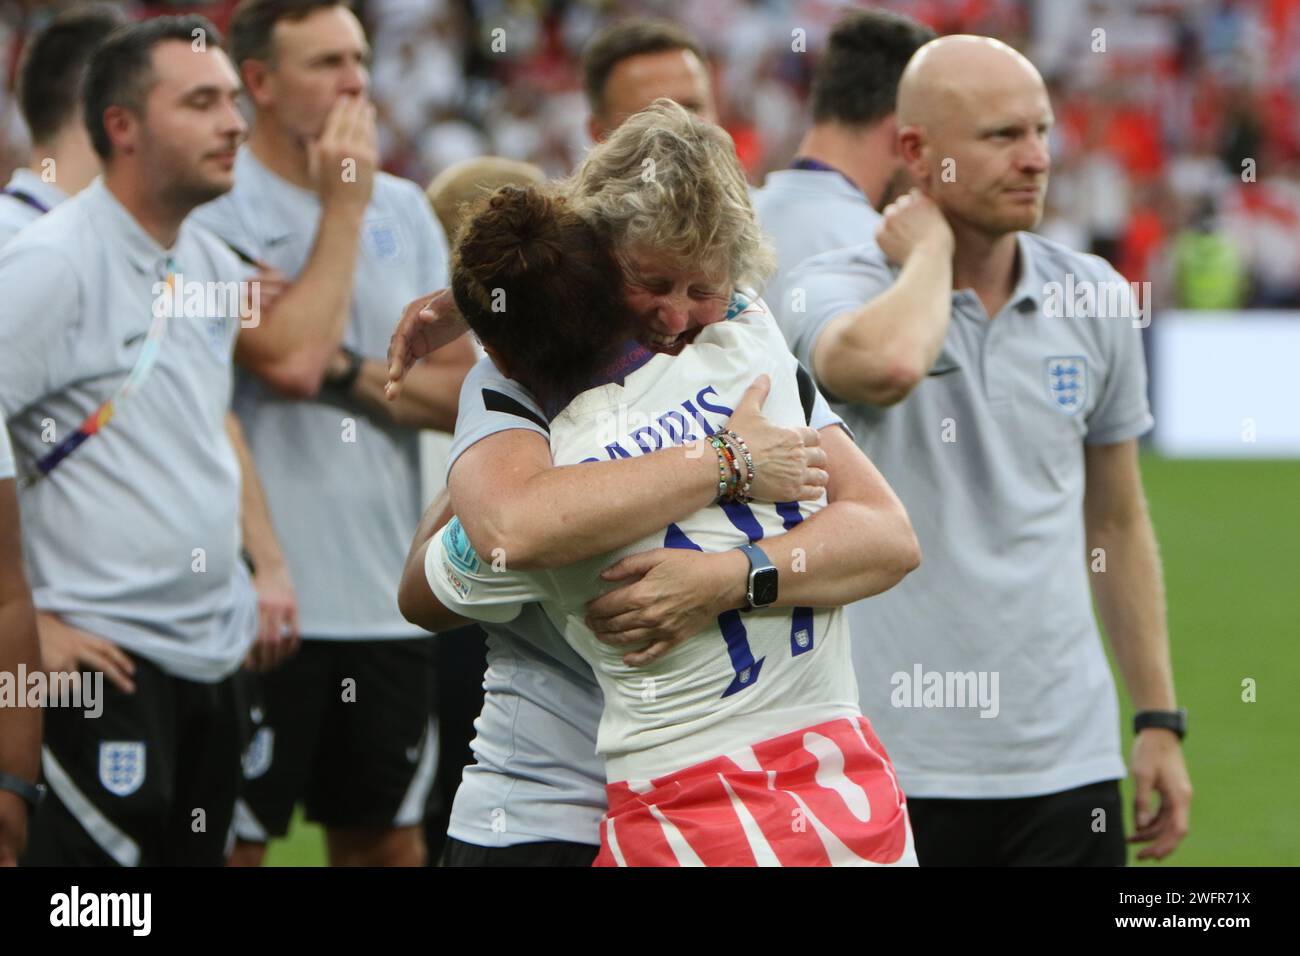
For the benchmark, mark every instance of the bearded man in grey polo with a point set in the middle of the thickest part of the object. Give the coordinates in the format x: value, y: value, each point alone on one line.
x: 1010, y: 434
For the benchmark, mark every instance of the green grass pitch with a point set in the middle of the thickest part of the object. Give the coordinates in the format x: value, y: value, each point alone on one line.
x: 1230, y: 537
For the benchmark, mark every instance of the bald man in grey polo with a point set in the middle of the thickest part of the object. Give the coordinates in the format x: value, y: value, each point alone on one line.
x: 135, y: 536
x: 806, y: 212
x: 987, y: 455
x: 25, y: 199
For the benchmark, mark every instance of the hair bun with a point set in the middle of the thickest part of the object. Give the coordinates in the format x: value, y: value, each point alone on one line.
x: 514, y: 239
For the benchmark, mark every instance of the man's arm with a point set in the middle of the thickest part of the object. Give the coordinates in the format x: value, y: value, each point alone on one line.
x: 292, y: 348
x: 1130, y: 599
x: 860, y: 544
x: 877, y: 353
x: 415, y: 598
x: 277, y: 607
x: 20, y: 727
x: 430, y: 392
x: 515, y: 503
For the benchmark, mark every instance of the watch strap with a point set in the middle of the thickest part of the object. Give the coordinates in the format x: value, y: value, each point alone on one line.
x: 758, y: 561
x: 1175, y: 720
x: 30, y: 792
x: 343, y: 382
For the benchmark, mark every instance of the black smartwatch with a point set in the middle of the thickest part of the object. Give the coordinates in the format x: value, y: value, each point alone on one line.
x: 343, y: 381
x: 30, y: 792
x: 761, y: 588
x: 1175, y: 720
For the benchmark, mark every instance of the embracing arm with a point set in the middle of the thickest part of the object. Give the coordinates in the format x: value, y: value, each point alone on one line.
x: 415, y: 599
x: 860, y: 544
x: 430, y: 391
x: 515, y: 504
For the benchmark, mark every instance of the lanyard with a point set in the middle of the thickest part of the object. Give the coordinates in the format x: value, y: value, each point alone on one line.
x: 97, y: 420
x: 804, y: 162
x: 28, y: 198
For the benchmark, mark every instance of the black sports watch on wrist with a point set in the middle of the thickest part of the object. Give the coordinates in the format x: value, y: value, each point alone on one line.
x: 30, y: 792
x: 1175, y: 720
x: 343, y: 381
x: 761, y: 588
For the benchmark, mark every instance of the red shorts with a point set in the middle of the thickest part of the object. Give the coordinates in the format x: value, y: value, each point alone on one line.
x: 821, y: 796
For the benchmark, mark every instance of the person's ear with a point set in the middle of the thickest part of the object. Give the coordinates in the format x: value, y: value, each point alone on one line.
x: 595, y: 128
x: 913, y: 151
x: 256, y: 76
x: 122, y: 127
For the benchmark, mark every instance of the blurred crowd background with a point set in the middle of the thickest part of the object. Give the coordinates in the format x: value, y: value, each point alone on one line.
x: 1176, y: 151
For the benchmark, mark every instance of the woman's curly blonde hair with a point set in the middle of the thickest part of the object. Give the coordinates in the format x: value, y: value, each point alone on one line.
x: 669, y: 184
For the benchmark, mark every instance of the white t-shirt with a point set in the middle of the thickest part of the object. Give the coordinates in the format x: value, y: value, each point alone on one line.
x: 747, y: 677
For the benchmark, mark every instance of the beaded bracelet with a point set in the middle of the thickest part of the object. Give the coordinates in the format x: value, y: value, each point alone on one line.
x: 728, y: 471
x: 741, y: 454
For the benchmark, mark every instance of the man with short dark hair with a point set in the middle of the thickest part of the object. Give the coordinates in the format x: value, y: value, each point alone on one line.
x: 131, y: 502
x: 630, y: 64
x: 348, y: 725
x: 847, y: 166
x: 49, y: 91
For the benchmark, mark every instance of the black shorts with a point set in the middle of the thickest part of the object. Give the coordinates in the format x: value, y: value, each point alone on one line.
x: 556, y: 853
x: 346, y: 727
x: 1079, y: 827
x: 151, y: 781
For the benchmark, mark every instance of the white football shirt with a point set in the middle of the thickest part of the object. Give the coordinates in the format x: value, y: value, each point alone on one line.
x: 747, y: 677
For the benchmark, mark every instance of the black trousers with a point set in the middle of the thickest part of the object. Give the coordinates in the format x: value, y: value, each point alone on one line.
x: 459, y: 660
x: 1079, y: 827
x: 151, y: 781
x: 459, y: 853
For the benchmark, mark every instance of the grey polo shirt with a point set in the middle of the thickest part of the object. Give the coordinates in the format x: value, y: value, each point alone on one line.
x: 536, y: 775
x: 806, y: 212
x: 135, y: 536
x: 987, y: 455
x: 343, y: 488
x: 15, y: 213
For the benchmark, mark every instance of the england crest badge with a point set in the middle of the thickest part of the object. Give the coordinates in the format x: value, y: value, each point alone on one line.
x: 1067, y: 382
x: 121, y: 766
x: 257, y: 758
x: 380, y: 237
